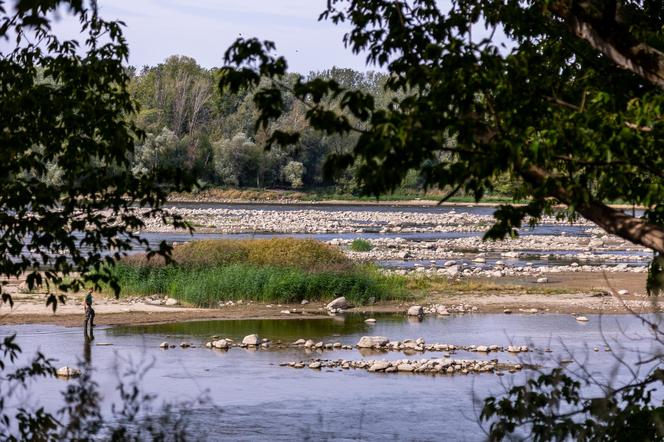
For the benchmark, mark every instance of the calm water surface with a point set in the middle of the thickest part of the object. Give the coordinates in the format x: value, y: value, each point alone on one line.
x: 255, y: 399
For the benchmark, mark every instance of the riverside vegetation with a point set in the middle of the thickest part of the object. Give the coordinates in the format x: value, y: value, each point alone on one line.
x: 203, y: 273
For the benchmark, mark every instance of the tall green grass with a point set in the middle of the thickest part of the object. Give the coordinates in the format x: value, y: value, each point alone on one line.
x: 276, y: 270
x: 361, y: 245
x: 206, y: 287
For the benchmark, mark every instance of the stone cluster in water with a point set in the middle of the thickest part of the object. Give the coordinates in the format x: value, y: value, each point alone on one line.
x: 443, y: 365
x: 380, y: 343
x: 426, y: 366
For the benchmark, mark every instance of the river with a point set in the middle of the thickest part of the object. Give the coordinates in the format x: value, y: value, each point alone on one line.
x: 252, y: 398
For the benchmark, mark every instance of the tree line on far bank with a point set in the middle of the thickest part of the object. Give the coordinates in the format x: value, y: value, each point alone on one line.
x: 188, y: 122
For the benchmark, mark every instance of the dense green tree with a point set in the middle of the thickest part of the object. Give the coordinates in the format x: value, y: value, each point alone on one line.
x: 231, y: 157
x: 221, y: 117
x: 68, y: 195
x: 292, y: 173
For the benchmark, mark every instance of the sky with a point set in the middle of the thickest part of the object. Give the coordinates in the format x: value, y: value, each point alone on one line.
x: 203, y: 29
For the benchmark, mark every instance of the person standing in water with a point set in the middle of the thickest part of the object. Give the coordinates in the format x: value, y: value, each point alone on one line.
x: 89, y: 311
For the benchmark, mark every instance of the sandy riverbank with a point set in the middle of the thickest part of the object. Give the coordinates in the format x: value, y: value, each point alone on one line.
x: 577, y: 293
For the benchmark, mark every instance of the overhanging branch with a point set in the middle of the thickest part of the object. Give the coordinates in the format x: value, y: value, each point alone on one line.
x: 613, y: 221
x: 629, y: 54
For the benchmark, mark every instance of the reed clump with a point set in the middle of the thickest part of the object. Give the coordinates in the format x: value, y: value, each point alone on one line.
x: 204, y: 273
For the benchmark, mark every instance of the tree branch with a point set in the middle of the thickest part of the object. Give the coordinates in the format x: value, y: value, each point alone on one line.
x: 613, y: 221
x: 627, y: 53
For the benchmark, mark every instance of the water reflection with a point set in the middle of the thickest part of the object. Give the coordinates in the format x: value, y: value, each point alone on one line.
x: 88, y: 337
x: 275, y: 329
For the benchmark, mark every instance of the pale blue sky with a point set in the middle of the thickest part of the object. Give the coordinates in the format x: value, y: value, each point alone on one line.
x: 203, y: 29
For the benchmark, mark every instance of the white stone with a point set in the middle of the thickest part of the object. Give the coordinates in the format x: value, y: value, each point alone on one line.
x: 416, y: 310
x: 252, y: 340
x: 339, y: 303
x: 623, y: 292
x: 379, y: 366
x: 68, y: 372
x: 441, y: 310
x: 221, y: 343
x: 542, y: 280
x: 163, y: 345
x: 582, y: 319
x: 372, y: 341
x: 171, y: 302
x: 370, y: 321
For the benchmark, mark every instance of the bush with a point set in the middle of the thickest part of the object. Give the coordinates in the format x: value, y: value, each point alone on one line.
x: 269, y: 270
x: 303, y: 254
x: 206, y: 287
x: 360, y: 245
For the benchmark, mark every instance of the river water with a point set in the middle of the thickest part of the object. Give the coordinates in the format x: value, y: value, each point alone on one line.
x: 252, y: 398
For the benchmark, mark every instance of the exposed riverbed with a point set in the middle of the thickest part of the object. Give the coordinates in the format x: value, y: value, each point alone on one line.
x: 436, y: 240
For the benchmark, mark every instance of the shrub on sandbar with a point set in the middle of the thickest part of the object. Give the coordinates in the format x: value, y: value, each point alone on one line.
x: 272, y: 270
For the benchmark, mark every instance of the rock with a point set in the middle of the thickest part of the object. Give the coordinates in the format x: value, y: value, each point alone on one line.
x: 582, y: 319
x: 163, y: 345
x: 221, y: 343
x: 339, y: 303
x: 405, y: 367
x: 309, y: 343
x: 372, y: 341
x: 171, y: 302
x: 441, y: 310
x: 370, y: 321
x: 285, y: 312
x: 482, y: 349
x: 299, y: 342
x: 379, y: 366
x: 623, y: 292
x: 542, y: 280
x: 416, y: 310
x: 251, y: 340
x: 185, y: 344
x: 315, y: 365
x: 68, y: 372
x: 507, y: 311
x: 304, y: 302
